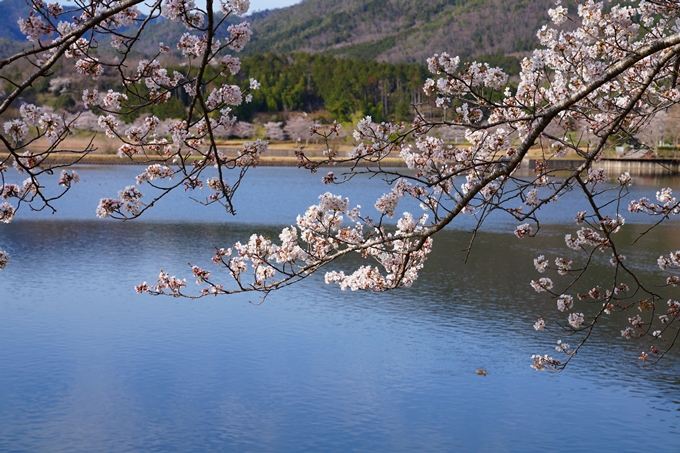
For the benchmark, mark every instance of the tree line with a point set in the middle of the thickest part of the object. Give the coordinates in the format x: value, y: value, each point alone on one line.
x: 343, y: 87
x: 293, y: 82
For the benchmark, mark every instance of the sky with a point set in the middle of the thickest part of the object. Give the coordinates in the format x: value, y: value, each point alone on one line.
x: 258, y: 5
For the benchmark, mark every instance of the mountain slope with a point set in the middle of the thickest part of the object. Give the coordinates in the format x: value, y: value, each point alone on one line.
x: 402, y: 30
x: 10, y: 12
x: 384, y: 30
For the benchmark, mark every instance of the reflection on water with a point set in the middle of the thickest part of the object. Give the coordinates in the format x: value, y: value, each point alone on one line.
x: 87, y: 365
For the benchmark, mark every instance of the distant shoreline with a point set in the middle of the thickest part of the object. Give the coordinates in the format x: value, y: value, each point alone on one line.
x: 640, y: 166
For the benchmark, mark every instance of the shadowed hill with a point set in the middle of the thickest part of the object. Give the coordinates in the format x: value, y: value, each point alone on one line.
x: 10, y: 12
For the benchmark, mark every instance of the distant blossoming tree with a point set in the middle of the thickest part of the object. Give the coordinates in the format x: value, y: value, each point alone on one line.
x: 297, y: 129
x: 609, y: 68
x: 243, y: 129
x: 274, y: 130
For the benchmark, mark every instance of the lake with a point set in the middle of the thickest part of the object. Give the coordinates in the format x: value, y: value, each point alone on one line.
x: 87, y: 365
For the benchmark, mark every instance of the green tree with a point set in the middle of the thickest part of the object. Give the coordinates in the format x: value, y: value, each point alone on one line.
x: 174, y: 108
x: 64, y: 102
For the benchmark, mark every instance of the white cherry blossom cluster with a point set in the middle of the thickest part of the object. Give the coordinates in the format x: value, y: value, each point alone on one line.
x: 50, y: 125
x: 90, y: 67
x: 79, y: 48
x: 34, y: 27
x: 670, y: 262
x: 565, y: 302
x: 400, y: 261
x: 318, y: 237
x: 192, y: 46
x: 224, y: 95
x: 29, y: 161
x: 239, y: 7
x: 586, y: 237
x: 184, y: 11
x: 155, y: 171
x: 4, y: 259
x: 576, y: 319
x: 563, y: 347
x: 109, y: 124
x: 523, y: 230
x: 7, y: 212
x: 156, y: 77
x: 112, y: 100
x: 66, y: 178
x: 126, y: 18
x: 667, y: 204
x: 91, y: 98
x: 378, y: 134
x: 240, y: 35
x: 232, y: 64
x: 129, y: 201
x: 165, y: 283
x: 8, y: 191
x: 388, y: 202
x: 16, y: 129
x: 249, y: 155
x: 544, y: 362
x: 542, y: 285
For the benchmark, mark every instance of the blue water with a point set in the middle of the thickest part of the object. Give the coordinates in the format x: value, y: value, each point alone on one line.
x: 87, y: 365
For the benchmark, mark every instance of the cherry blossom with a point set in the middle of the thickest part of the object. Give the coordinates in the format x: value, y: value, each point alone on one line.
x: 6, y: 212
x: 16, y: 129
x: 603, y: 69
x: 575, y: 320
x: 4, y: 259
x: 33, y: 27
x: 543, y: 362
x: 540, y: 263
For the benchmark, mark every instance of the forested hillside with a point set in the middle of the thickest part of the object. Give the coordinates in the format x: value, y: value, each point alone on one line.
x: 402, y: 30
x: 383, y: 30
x: 10, y: 12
